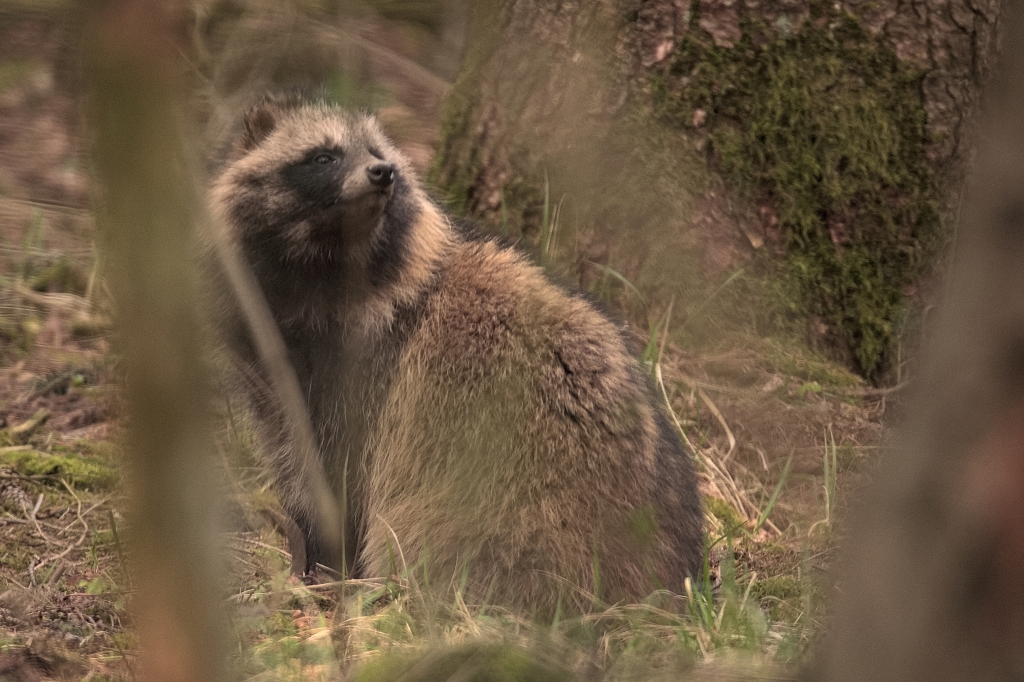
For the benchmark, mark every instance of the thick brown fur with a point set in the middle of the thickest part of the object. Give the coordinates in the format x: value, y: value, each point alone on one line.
x: 476, y: 420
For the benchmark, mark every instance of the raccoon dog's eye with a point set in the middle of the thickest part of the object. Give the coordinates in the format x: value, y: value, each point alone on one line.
x: 324, y: 159
x: 374, y: 152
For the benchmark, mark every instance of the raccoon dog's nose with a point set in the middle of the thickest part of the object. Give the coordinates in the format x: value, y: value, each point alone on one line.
x: 381, y: 174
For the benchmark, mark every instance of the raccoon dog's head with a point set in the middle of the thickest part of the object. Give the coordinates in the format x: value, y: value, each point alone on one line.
x: 308, y: 183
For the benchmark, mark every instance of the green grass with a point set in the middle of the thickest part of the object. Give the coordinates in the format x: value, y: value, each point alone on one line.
x: 411, y: 635
x: 550, y: 218
x: 733, y: 620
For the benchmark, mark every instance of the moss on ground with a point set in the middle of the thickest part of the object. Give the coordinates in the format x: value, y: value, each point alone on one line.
x: 828, y: 126
x: 79, y: 471
x: 724, y: 512
x: 790, y: 358
x: 781, y: 595
x: 499, y: 662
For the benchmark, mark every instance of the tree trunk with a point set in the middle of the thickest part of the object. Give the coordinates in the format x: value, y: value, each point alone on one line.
x: 953, y: 43
x: 680, y: 139
x: 545, y: 118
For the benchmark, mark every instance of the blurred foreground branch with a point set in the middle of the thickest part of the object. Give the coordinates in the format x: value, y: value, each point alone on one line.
x: 933, y: 586
x: 147, y: 208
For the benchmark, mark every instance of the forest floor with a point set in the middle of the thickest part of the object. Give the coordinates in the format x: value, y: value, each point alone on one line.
x: 782, y: 438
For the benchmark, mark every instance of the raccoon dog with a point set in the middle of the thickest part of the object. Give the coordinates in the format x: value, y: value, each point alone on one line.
x: 472, y: 417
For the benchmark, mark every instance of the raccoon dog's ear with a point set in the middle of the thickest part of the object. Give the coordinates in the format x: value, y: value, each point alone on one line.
x: 256, y: 125
x: 261, y: 120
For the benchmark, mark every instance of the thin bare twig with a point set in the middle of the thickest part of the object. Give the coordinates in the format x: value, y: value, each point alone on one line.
x: 31, y: 515
x: 76, y: 543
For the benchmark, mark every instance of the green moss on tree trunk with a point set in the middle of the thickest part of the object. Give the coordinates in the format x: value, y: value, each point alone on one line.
x: 828, y: 126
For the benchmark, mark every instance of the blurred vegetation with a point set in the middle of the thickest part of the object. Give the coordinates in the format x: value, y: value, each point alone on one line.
x: 828, y: 126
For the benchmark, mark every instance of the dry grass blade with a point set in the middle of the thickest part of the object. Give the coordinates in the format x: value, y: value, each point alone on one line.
x: 740, y: 499
x: 718, y: 415
x: 715, y: 467
x: 263, y: 545
x: 743, y: 502
x: 672, y: 412
x: 79, y: 518
x: 31, y: 514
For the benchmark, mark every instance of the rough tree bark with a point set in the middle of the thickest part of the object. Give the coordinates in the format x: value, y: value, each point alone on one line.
x: 953, y: 43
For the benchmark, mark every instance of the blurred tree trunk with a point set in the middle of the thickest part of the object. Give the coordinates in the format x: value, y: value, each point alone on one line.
x: 147, y: 207
x: 540, y: 101
x: 932, y: 586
